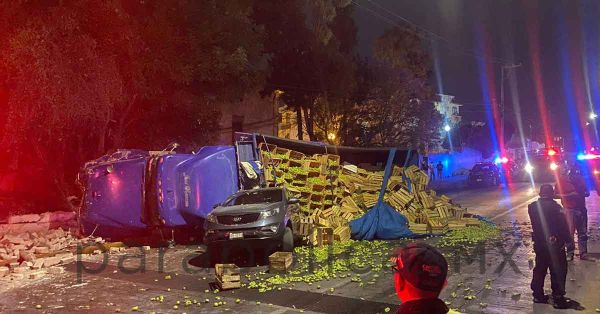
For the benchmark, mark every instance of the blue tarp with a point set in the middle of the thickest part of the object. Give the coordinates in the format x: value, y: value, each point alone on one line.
x: 382, y: 221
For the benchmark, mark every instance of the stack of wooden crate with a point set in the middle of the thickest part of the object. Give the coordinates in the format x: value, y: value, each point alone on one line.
x: 332, y: 194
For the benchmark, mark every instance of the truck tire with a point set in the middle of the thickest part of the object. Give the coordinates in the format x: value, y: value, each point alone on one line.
x: 287, y: 243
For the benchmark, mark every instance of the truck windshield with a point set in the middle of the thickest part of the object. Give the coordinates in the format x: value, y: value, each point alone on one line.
x: 256, y: 197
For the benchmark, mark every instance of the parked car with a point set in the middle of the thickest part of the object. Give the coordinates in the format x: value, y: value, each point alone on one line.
x: 258, y: 217
x: 484, y: 174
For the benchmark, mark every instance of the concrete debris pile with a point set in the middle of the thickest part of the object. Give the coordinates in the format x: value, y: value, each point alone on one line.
x: 331, y: 194
x: 33, y: 254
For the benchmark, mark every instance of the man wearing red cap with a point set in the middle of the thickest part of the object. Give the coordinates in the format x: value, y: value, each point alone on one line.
x: 420, y: 275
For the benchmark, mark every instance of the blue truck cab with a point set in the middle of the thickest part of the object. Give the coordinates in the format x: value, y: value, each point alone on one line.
x: 130, y: 196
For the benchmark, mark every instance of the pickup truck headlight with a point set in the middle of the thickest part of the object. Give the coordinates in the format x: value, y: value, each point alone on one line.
x: 269, y: 213
x: 211, y: 218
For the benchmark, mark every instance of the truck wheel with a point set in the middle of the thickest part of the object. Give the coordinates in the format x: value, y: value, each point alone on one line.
x: 287, y: 243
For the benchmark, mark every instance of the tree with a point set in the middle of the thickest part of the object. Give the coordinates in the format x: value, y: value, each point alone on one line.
x: 83, y: 77
x: 475, y: 137
x: 392, y: 105
x: 302, y: 49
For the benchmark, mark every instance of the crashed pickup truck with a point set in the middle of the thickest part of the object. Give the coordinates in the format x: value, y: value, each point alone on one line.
x: 133, y: 192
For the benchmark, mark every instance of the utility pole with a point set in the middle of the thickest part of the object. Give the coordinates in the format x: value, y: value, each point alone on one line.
x: 504, y: 67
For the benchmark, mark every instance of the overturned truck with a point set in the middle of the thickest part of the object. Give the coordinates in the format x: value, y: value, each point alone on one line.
x: 130, y: 193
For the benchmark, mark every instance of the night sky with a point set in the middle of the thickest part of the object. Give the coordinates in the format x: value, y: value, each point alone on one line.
x: 482, y: 34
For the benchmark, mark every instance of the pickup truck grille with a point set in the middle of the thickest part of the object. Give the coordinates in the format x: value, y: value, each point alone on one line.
x: 238, y: 219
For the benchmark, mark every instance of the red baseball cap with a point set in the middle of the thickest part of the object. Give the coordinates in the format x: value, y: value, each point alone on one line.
x: 423, y: 266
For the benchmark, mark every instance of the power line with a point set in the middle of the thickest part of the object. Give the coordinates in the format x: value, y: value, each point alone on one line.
x: 432, y: 36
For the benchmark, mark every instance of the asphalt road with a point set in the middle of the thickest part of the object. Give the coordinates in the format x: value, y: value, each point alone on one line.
x: 510, y: 291
x: 497, y: 203
x: 498, y: 277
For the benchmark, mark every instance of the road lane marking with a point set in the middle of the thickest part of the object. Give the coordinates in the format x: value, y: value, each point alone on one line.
x: 527, y: 202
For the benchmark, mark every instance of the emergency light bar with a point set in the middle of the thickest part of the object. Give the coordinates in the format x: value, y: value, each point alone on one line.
x: 587, y: 156
x: 501, y: 160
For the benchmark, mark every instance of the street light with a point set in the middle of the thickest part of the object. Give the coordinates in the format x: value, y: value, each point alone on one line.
x: 593, y: 116
x: 447, y: 128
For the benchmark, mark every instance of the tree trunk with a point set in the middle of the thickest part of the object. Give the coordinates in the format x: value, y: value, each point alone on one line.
x: 103, y: 134
x: 299, y: 123
x: 123, y: 124
x: 309, y: 124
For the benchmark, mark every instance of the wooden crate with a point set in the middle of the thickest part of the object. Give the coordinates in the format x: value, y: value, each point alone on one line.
x: 323, y: 222
x: 314, y: 206
x: 426, y: 200
x: 316, y: 187
x: 228, y: 285
x: 297, y: 156
x: 419, y: 228
x: 280, y: 261
x: 227, y: 276
x: 458, y: 212
x: 397, y: 171
x: 222, y: 270
x: 311, y: 163
x: 305, y: 226
x: 322, y: 236
x: 267, y: 147
x: 341, y: 233
x: 283, y: 153
x: 294, y: 163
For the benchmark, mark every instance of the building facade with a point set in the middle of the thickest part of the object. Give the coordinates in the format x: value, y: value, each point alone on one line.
x: 449, y: 110
x: 252, y: 114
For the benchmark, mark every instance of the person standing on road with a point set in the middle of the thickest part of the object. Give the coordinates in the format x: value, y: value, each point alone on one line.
x: 550, y: 233
x: 572, y: 191
x: 420, y: 273
x: 431, y: 171
x: 440, y: 170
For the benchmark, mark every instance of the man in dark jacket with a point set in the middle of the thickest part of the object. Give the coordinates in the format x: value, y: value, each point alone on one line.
x: 579, y: 215
x: 420, y: 276
x: 550, y: 234
x: 440, y: 170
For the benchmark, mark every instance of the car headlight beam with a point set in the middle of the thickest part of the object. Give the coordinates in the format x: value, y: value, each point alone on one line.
x: 529, y: 168
x: 553, y: 166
